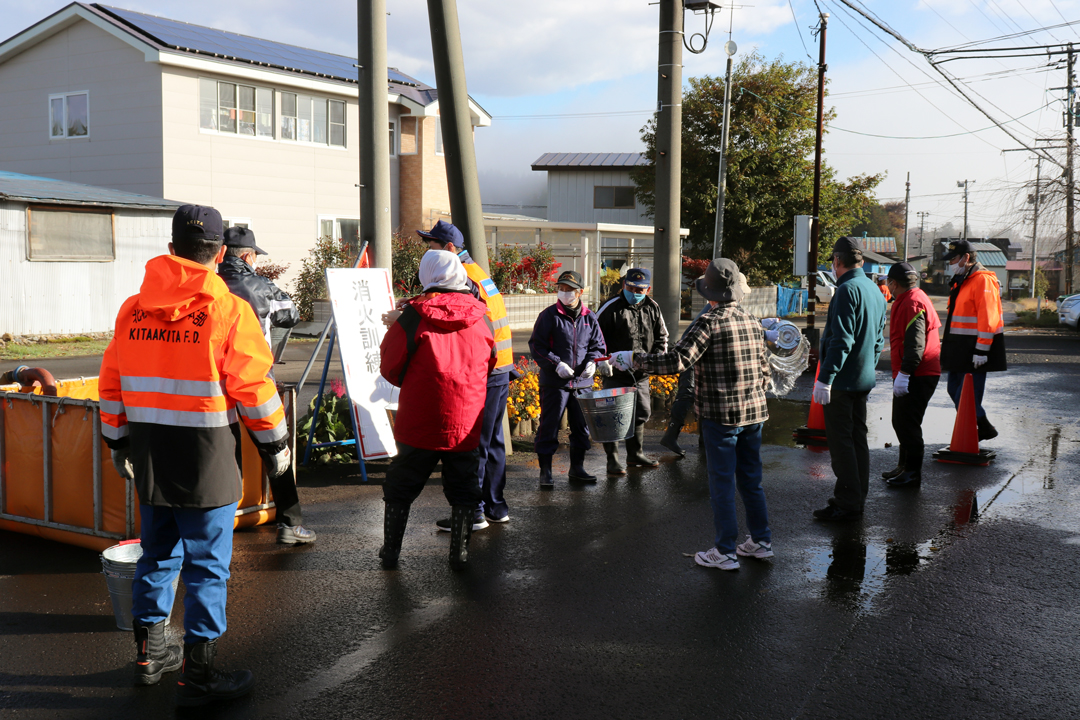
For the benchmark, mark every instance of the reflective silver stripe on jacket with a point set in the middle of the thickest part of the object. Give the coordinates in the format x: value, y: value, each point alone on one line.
x: 279, y: 432
x: 114, y: 433
x: 964, y: 319
x: 963, y: 331
x: 501, y: 322
x: 504, y: 345
x: 181, y: 418
x: 111, y: 406
x: 986, y: 335
x: 276, y: 305
x: 260, y: 411
x: 171, y: 386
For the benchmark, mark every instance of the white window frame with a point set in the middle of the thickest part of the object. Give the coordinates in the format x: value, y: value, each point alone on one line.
x: 336, y: 219
x: 216, y: 130
x: 228, y: 222
x: 64, y: 96
x: 393, y: 138
x: 313, y: 99
x: 438, y: 137
x: 101, y: 258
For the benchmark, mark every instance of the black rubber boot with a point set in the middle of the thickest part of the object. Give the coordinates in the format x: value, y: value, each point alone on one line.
x: 545, y: 471
x: 577, y: 467
x: 155, y: 655
x: 986, y: 430
x: 671, y: 439
x: 461, y: 521
x: 901, y: 464
x: 614, y: 467
x: 395, y: 518
x: 908, y: 478
x: 634, y: 456
x: 201, y: 683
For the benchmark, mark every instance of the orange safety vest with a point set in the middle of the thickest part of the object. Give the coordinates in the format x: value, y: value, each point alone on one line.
x: 186, y: 352
x: 977, y: 310
x: 496, y: 314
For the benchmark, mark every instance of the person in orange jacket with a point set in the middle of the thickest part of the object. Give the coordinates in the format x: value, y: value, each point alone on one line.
x: 188, y: 360
x: 974, y: 339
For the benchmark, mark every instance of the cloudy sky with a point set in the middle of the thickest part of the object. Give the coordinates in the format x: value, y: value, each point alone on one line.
x: 579, y: 76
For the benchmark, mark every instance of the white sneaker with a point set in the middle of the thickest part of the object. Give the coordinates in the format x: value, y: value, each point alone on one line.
x: 715, y: 559
x: 754, y: 550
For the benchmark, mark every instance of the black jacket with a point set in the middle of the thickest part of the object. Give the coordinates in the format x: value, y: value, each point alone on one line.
x: 638, y: 327
x: 271, y: 304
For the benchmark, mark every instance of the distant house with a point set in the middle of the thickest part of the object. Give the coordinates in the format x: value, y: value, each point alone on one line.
x: 990, y: 253
x: 265, y: 132
x: 880, y: 245
x: 592, y: 187
x: 70, y: 254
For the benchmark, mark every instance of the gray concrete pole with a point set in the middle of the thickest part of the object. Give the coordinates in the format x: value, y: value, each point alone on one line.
x: 666, y: 249
x: 458, y: 150
x: 374, y: 140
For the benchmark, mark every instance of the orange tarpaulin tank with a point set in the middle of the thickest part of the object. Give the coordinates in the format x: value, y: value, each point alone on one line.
x: 56, y: 475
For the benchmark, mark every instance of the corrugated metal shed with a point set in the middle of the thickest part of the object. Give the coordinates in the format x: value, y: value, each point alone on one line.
x: 990, y: 255
x: 41, y: 190
x: 588, y: 161
x: 879, y: 244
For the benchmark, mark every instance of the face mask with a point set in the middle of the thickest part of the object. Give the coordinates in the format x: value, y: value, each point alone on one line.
x: 632, y: 297
x: 569, y: 299
x: 952, y: 271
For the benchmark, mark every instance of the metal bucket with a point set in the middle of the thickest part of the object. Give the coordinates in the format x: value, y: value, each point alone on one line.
x: 609, y: 413
x: 118, y: 567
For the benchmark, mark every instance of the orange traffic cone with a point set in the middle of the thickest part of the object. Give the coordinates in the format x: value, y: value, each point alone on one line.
x: 964, y: 448
x: 813, y: 432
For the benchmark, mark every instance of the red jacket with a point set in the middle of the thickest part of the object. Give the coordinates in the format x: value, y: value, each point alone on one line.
x: 913, y: 335
x: 444, y: 383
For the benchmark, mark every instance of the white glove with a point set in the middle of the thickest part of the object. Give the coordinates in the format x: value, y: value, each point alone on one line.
x: 590, y: 370
x: 979, y: 360
x: 900, y: 385
x: 772, y: 335
x: 822, y: 393
x: 277, y: 464
x: 564, y: 371
x: 121, y: 460
x: 623, y: 360
x: 604, y: 366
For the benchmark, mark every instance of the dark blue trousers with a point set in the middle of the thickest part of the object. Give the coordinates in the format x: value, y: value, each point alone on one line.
x: 553, y: 401
x: 955, y: 386
x: 493, y: 453
x: 197, y: 543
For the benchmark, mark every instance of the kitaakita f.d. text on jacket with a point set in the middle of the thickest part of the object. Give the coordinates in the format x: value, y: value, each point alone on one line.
x: 444, y: 382
x: 187, y: 359
x: 854, y: 334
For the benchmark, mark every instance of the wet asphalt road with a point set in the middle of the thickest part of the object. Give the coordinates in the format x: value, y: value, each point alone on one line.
x: 959, y: 599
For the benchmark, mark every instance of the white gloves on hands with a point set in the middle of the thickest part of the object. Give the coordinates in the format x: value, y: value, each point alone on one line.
x: 564, y: 371
x: 900, y: 385
x: 623, y: 360
x: 121, y: 460
x: 590, y: 370
x: 822, y: 393
x: 772, y: 335
x: 278, y: 463
x: 979, y: 360
x: 604, y: 366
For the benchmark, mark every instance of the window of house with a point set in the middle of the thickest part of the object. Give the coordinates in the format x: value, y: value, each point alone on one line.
x: 438, y: 136
x: 393, y: 139
x: 59, y: 234
x: 337, y: 123
x: 227, y: 223
x: 236, y: 109
x: 318, y: 121
x: 69, y: 115
x: 407, y: 137
x: 619, y: 197
x: 339, y: 228
x: 288, y: 116
x: 303, y: 118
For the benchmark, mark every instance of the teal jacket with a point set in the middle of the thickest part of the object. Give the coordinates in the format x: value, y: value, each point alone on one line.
x: 852, y: 341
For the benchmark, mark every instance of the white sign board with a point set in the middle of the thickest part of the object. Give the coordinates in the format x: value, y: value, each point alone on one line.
x: 802, y: 244
x: 358, y: 298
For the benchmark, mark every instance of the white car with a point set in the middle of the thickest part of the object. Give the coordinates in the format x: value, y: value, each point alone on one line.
x: 825, y: 289
x: 1068, y: 311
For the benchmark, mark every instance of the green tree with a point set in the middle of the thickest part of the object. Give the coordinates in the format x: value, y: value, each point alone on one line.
x: 770, y: 167
x: 885, y: 220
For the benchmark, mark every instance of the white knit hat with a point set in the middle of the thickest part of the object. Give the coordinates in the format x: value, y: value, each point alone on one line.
x: 442, y: 269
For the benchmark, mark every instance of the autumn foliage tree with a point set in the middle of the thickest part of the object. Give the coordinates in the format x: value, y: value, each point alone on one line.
x: 770, y: 167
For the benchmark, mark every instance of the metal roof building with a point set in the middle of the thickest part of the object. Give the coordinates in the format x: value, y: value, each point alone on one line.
x: 593, y: 187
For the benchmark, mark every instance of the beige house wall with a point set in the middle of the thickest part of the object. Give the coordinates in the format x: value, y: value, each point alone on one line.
x: 123, y: 147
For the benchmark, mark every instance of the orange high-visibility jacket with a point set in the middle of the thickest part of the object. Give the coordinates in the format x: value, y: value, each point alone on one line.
x: 188, y: 359
x: 974, y: 324
x: 496, y: 314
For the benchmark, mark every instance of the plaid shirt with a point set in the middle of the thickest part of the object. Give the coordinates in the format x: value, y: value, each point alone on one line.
x: 726, y: 348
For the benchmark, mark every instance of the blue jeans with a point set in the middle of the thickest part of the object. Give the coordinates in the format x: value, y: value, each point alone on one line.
x: 197, y: 543
x: 955, y: 387
x: 734, y: 459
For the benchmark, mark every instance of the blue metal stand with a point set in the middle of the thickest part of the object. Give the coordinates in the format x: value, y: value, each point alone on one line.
x: 315, y: 414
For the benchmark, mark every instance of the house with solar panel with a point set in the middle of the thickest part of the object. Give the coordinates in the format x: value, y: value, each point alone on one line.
x: 264, y: 131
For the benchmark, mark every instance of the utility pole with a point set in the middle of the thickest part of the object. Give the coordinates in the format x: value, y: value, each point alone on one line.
x: 459, y: 153
x: 1070, y: 120
x: 907, y: 202
x: 666, y: 282
x: 815, y: 211
x: 374, y: 142
x: 964, y: 184
x: 718, y: 234
x: 1035, y: 223
x: 922, y: 223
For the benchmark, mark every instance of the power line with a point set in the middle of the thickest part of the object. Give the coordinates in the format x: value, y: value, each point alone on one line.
x: 797, y: 30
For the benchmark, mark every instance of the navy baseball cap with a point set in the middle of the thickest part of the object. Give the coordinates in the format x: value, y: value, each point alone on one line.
x: 848, y: 244
x: 197, y: 221
x: 445, y: 233
x: 901, y: 271
x: 571, y: 278
x: 242, y: 237
x: 638, y: 277
x: 956, y: 249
